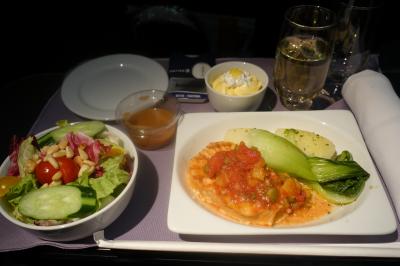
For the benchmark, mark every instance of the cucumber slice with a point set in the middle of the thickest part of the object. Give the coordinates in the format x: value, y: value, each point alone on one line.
x: 58, y: 203
x: 89, y: 202
x: 90, y: 128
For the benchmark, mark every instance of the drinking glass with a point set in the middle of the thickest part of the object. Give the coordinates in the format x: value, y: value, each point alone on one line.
x: 303, y: 55
x: 355, y: 37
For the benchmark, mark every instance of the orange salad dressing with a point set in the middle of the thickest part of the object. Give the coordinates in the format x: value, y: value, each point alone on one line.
x: 150, y: 128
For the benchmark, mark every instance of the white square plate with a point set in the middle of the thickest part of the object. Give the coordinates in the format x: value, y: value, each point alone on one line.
x: 371, y: 214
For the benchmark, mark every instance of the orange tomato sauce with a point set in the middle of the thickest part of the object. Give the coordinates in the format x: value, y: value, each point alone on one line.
x: 243, y: 177
x: 237, y: 184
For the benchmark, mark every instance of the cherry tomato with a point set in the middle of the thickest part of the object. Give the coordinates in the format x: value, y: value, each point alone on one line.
x: 44, y: 171
x: 69, y: 169
x: 6, y: 182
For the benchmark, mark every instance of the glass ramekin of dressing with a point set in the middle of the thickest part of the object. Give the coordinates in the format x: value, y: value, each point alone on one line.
x: 150, y: 118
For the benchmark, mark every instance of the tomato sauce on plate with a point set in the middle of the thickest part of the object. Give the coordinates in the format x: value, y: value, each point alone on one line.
x: 235, y: 182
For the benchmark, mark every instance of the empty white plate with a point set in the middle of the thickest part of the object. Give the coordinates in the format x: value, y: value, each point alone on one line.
x: 94, y: 88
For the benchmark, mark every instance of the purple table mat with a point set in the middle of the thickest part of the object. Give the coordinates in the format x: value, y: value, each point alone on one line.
x: 145, y: 218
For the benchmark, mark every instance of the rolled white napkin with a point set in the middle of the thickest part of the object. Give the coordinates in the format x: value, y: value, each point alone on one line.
x: 376, y: 106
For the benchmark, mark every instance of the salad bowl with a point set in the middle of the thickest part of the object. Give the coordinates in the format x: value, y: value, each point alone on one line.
x: 87, y: 225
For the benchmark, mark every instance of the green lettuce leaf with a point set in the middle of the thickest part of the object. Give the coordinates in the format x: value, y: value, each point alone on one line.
x: 112, y: 178
x: 26, y: 152
x: 26, y: 184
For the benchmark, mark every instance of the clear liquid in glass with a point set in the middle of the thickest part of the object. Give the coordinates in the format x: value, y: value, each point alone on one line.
x: 302, y: 64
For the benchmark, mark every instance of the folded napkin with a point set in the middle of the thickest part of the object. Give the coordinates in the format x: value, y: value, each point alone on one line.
x: 376, y: 106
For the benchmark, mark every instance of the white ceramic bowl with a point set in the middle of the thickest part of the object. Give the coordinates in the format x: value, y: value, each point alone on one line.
x: 225, y: 103
x: 90, y: 224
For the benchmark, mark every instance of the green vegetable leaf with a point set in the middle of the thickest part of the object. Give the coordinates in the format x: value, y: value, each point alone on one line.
x: 26, y: 184
x: 326, y: 170
x: 344, y: 156
x: 347, y: 187
x: 62, y: 123
x: 26, y: 152
x: 112, y: 178
x: 334, y: 197
x: 82, y: 180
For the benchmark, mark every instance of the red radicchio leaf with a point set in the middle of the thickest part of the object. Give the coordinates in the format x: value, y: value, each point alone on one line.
x: 93, y: 151
x: 98, y: 171
x: 93, y: 147
x: 76, y: 139
x: 14, y: 147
